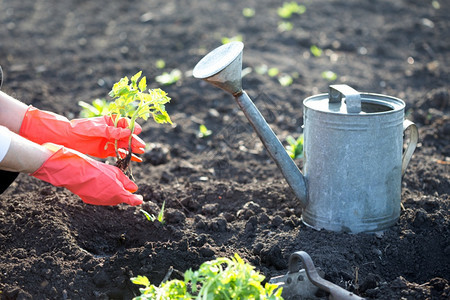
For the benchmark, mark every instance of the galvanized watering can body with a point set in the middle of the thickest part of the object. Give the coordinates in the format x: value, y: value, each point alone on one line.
x: 353, y: 160
x: 353, y: 144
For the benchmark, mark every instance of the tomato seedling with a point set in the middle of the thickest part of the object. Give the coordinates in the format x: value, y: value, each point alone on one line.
x: 222, y: 278
x: 132, y: 100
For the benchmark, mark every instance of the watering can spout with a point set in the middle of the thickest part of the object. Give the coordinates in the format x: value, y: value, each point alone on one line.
x: 222, y: 68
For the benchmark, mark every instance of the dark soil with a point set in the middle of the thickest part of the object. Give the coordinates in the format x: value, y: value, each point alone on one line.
x: 223, y: 194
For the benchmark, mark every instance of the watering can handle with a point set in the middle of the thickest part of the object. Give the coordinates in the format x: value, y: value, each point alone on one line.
x: 352, y: 97
x: 413, y: 139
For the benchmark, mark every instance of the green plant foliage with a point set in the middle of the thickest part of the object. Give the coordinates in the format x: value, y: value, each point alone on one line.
x: 248, y: 12
x: 203, y: 132
x: 316, y: 51
x: 285, y: 80
x: 222, y: 278
x: 295, y: 147
x: 290, y: 8
x: 99, y: 107
x: 237, y: 38
x: 132, y: 100
x: 272, y: 72
x: 152, y: 217
x: 285, y: 26
x: 329, y: 75
x: 169, y: 78
x: 160, y: 64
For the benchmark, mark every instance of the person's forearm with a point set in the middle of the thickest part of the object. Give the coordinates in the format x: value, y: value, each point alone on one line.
x: 23, y: 155
x: 12, y: 112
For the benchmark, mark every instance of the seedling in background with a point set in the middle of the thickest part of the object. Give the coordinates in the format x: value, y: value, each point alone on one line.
x: 290, y: 8
x: 132, y: 100
x: 285, y: 26
x: 295, y: 147
x: 153, y: 218
x: 285, y: 79
x: 237, y: 38
x: 222, y: 278
x: 203, y: 132
x: 99, y: 107
x: 316, y: 51
x: 329, y: 75
x: 248, y: 12
x: 169, y: 78
x: 160, y: 64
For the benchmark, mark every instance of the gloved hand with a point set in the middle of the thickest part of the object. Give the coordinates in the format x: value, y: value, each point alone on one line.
x: 93, y: 181
x: 92, y: 136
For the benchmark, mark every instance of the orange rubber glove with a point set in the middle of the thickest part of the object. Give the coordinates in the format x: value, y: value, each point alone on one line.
x: 91, y: 136
x: 93, y: 181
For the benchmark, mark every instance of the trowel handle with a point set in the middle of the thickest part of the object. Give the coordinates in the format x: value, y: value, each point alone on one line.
x: 413, y: 139
x: 273, y: 145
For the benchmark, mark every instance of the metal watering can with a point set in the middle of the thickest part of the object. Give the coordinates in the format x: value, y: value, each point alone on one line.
x: 353, y: 149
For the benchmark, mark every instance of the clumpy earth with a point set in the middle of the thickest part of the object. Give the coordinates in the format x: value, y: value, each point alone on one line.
x: 223, y: 194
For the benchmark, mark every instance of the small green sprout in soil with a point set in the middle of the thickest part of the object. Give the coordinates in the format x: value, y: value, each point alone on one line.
x: 169, y: 78
x: 222, y: 278
x: 99, y: 107
x: 237, y: 38
x: 285, y: 26
x: 248, y: 12
x: 153, y: 218
x: 295, y: 147
x: 272, y: 72
x: 132, y: 100
x: 285, y: 79
x: 203, y: 131
x: 290, y: 8
x: 261, y: 69
x: 329, y: 75
x: 436, y: 4
x: 160, y: 64
x: 316, y: 51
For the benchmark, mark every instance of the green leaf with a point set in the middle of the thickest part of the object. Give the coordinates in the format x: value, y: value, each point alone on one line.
x: 161, y: 213
x: 237, y: 38
x: 149, y: 217
x: 316, y: 51
x: 135, y: 77
x: 169, y: 78
x: 160, y: 64
x: 272, y: 72
x: 203, y: 132
x: 285, y: 80
x: 143, y: 84
x: 329, y: 75
x: 142, y: 280
x: 290, y: 8
x: 248, y: 12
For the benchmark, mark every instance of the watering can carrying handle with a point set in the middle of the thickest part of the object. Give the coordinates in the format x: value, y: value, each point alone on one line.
x: 352, y: 97
x: 413, y: 139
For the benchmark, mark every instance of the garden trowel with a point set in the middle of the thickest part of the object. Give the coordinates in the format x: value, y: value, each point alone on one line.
x: 305, y: 283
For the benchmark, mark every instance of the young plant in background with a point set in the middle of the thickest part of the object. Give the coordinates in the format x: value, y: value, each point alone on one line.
x: 99, y: 107
x: 132, y: 100
x: 329, y: 75
x: 226, y: 40
x: 248, y: 12
x: 222, y: 278
x: 290, y: 8
x: 203, y: 131
x: 153, y: 218
x: 167, y: 78
x: 295, y: 147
